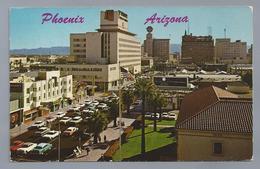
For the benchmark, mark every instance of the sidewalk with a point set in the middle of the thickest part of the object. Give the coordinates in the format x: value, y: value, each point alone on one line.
x: 23, y: 127
x: 111, y: 133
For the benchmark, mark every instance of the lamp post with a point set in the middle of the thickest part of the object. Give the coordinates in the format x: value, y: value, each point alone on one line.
x: 59, y: 143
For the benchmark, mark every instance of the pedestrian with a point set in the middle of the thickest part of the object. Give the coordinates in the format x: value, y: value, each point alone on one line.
x: 105, y: 138
x: 88, y: 150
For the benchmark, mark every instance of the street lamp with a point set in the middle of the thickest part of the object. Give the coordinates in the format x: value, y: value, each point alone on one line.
x: 59, y: 143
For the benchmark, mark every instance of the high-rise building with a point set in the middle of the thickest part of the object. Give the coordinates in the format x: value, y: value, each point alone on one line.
x: 197, y: 49
x: 112, y: 44
x: 159, y: 49
x: 78, y: 46
x: 230, y: 52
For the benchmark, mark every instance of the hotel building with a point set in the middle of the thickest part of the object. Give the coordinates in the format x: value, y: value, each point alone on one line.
x: 46, y: 90
x: 104, y: 53
x: 159, y: 49
x: 197, y: 49
x: 112, y: 44
x: 231, y: 52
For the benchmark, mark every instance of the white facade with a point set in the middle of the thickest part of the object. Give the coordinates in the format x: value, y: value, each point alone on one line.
x: 47, y: 87
x: 230, y: 52
x: 112, y: 44
x: 104, y: 75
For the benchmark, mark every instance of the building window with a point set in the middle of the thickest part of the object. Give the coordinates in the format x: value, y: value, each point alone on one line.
x: 39, y: 88
x: 44, y: 95
x: 28, y: 90
x: 217, y: 148
x: 39, y: 97
x: 53, y: 93
x: 44, y: 87
x: 28, y: 100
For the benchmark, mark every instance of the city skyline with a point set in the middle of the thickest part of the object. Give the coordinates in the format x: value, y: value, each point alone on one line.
x: 32, y: 33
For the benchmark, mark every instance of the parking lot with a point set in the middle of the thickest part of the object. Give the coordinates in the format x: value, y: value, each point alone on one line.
x: 62, y: 145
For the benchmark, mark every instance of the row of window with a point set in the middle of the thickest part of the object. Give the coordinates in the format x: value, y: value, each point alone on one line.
x: 49, y: 95
x: 28, y: 90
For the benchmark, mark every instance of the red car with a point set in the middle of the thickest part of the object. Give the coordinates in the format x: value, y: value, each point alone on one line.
x: 16, y: 144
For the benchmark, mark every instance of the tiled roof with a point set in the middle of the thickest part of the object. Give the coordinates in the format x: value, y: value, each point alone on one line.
x: 214, y: 109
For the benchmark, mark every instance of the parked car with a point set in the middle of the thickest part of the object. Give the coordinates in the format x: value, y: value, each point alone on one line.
x: 41, y: 149
x: 157, y: 115
x: 37, y: 124
x: 70, y: 131
x: 15, y: 145
x: 102, y: 106
x: 41, y: 131
x: 81, y: 105
x: 172, y: 116
x: 148, y: 114
x: 51, y: 134
x: 76, y: 120
x: 95, y: 102
x: 65, y: 120
x: 165, y: 115
x: 88, y: 101
x: 26, y: 148
x: 51, y: 119
x: 60, y: 114
x: 74, y: 108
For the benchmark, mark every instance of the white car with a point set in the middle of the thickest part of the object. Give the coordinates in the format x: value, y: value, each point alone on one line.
x: 74, y: 108
x: 95, y: 103
x: 157, y: 115
x: 51, y: 134
x: 87, y: 111
x: 165, y: 115
x: 37, y: 124
x: 81, y: 105
x: 87, y: 102
x: 70, y: 131
x: 76, y: 119
x: 172, y: 116
x: 51, y: 119
x: 65, y: 120
x: 102, y: 106
x: 148, y: 115
x: 26, y: 147
x: 60, y: 114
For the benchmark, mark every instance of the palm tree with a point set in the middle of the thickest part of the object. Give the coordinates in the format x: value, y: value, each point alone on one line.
x: 143, y: 88
x: 162, y: 102
x: 97, y: 123
x: 128, y: 99
x: 114, y: 110
x: 154, y: 103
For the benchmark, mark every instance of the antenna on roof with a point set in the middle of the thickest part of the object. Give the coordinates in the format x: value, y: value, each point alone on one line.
x: 209, y: 31
x: 225, y: 33
x: 188, y: 27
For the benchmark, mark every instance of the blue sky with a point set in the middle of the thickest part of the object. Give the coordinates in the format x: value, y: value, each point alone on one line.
x: 26, y: 30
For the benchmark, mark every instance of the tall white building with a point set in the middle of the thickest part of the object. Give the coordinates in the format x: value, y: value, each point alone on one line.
x: 231, y: 52
x: 48, y: 89
x: 112, y: 44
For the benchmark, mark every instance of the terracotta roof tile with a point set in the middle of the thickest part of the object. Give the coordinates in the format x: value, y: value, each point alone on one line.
x: 212, y: 108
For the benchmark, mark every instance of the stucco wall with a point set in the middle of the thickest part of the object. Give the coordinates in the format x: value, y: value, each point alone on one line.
x: 198, y: 146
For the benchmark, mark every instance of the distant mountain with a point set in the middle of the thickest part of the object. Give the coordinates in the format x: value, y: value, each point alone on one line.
x: 64, y: 50
x: 175, y: 48
x: 58, y: 50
